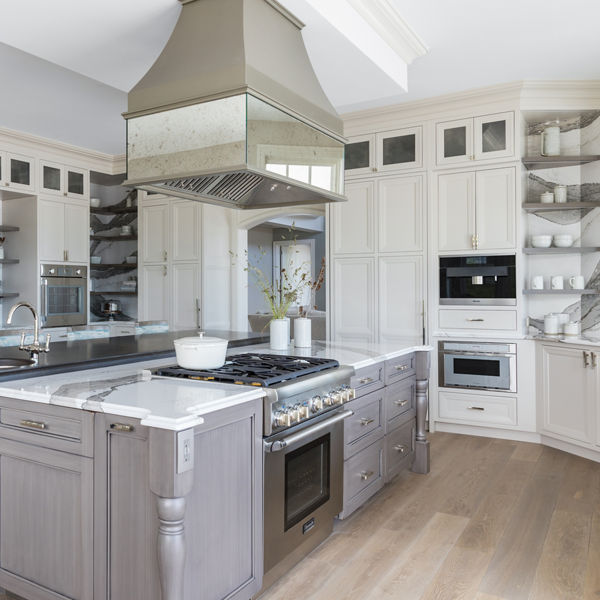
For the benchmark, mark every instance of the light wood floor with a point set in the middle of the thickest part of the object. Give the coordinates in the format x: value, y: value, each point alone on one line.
x: 493, y: 520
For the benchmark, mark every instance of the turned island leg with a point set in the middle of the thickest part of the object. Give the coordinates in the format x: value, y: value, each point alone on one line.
x: 421, y: 462
x: 171, y: 546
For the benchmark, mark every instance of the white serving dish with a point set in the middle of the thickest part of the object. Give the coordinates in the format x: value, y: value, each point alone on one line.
x: 95, y: 260
x: 541, y: 241
x: 200, y: 352
x: 563, y: 241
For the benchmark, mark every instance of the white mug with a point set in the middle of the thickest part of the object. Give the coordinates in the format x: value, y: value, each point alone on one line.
x: 577, y: 282
x: 537, y: 282
x: 557, y: 282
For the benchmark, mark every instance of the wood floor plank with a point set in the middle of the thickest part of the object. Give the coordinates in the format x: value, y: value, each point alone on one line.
x: 592, y: 576
x: 411, y: 575
x: 561, y: 571
x: 527, y: 451
x: 580, y: 490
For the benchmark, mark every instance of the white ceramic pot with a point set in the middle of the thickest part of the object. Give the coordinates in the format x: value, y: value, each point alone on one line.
x: 547, y: 197
x: 560, y: 193
x: 199, y: 353
x: 550, y: 141
x: 571, y: 328
x: 279, y: 334
x: 302, y: 332
x: 551, y: 325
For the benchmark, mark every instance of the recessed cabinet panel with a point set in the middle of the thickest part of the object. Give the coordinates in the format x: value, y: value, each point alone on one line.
x: 51, y: 217
x: 456, y: 211
x: 353, y: 302
x: 186, y: 230
x: 494, y: 136
x: 359, y: 155
x: 51, y: 178
x: 454, y: 141
x: 354, y: 221
x: 155, y: 227
x: 400, y: 297
x: 154, y: 302
x: 495, y: 209
x: 76, y: 183
x: 186, y: 295
x: 400, y: 214
x: 19, y: 172
x: 400, y: 149
x: 76, y: 233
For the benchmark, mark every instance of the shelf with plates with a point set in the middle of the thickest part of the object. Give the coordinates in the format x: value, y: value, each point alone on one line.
x: 569, y: 250
x: 550, y: 162
x: 590, y: 292
x: 116, y: 210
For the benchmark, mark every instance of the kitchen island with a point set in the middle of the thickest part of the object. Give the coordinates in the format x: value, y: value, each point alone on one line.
x: 103, y: 467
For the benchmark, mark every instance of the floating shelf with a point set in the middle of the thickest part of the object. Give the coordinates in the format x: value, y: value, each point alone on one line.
x: 548, y: 162
x: 107, y: 210
x: 7, y: 228
x: 8, y: 295
x: 570, y: 250
x: 548, y: 206
x: 109, y: 293
x: 9, y: 261
x: 124, y: 266
x: 113, y: 238
x: 560, y: 292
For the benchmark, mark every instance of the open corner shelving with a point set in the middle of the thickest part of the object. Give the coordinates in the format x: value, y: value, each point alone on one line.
x: 549, y: 162
x: 561, y: 292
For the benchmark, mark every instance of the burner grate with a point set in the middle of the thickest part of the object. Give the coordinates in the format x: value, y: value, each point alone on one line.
x: 260, y: 370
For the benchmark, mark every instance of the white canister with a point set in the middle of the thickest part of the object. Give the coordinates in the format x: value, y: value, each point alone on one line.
x: 302, y: 332
x: 550, y: 141
x: 537, y: 282
x: 560, y: 193
x: 571, y: 328
x: 577, y: 282
x: 563, y: 319
x: 278, y: 331
x: 551, y: 326
x: 557, y: 282
x: 547, y: 198
x: 289, y: 327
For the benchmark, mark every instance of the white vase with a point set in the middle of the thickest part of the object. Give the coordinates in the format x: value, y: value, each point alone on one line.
x: 279, y: 334
x: 289, y: 325
x: 302, y: 333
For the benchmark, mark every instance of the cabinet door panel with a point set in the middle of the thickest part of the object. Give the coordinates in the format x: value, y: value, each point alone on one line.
x: 51, y: 180
x: 77, y: 181
x: 456, y: 211
x: 155, y: 228
x: 400, y: 297
x: 154, y: 304
x: 400, y: 149
x: 569, y: 392
x: 495, y: 209
x: 185, y: 230
x: 51, y: 218
x: 77, y: 232
x: 185, y: 290
x: 494, y: 136
x: 354, y: 221
x: 454, y: 141
x: 20, y: 172
x: 359, y: 155
x: 400, y: 214
x: 353, y: 300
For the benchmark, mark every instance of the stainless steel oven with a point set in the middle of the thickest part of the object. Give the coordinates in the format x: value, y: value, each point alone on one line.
x: 303, y: 487
x: 63, y: 295
x: 474, y: 365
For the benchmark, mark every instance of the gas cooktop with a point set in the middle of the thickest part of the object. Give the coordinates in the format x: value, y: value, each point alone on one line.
x: 260, y: 370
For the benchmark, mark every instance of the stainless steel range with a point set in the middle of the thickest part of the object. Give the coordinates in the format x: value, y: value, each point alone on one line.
x: 303, y: 445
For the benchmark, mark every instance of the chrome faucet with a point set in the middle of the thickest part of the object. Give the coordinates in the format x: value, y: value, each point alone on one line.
x: 34, y: 348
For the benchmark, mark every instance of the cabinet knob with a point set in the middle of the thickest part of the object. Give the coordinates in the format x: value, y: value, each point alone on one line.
x: 586, y: 358
x: 374, y: 169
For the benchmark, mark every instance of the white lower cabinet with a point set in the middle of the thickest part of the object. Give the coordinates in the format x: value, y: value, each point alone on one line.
x: 154, y: 293
x: 477, y: 319
x: 185, y: 295
x: 479, y: 409
x: 569, y: 393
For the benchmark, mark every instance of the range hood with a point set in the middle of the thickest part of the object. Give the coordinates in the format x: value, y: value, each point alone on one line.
x: 231, y: 112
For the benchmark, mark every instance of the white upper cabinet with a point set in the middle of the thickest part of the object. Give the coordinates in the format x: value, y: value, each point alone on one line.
x: 17, y: 172
x: 456, y: 212
x: 155, y: 233
x: 400, y: 205
x: 77, y: 241
x: 353, y: 222
x: 479, y: 138
x: 64, y: 181
x: 359, y: 158
x: 63, y: 231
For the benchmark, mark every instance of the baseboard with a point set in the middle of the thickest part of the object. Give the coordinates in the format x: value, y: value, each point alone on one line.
x: 505, y: 434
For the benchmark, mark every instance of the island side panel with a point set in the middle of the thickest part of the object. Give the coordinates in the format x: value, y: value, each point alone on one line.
x: 422, y: 459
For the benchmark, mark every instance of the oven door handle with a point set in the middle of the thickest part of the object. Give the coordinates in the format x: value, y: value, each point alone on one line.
x: 278, y: 445
x: 44, y: 300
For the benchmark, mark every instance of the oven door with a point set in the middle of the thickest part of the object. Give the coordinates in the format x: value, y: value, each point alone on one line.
x: 63, y: 301
x: 303, y: 486
x: 481, y: 371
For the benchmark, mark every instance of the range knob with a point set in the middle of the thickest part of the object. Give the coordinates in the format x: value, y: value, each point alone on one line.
x: 281, y: 418
x: 328, y: 400
x: 294, y: 414
x: 316, y: 404
x: 304, y: 411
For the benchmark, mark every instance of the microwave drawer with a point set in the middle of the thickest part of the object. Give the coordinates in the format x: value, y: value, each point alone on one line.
x: 478, y: 319
x: 477, y: 408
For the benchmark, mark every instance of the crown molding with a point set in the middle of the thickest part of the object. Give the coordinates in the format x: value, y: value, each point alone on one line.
x: 76, y: 156
x: 387, y: 22
x: 561, y: 95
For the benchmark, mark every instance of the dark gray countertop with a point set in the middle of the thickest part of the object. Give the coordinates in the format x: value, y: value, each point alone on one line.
x: 77, y: 355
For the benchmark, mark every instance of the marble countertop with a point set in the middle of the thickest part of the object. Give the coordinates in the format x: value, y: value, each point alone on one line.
x: 130, y: 390
x: 561, y: 339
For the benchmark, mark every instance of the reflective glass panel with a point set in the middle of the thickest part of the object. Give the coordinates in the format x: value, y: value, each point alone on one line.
x: 455, y: 141
x: 51, y: 177
x: 20, y: 171
x: 357, y: 155
x: 399, y: 149
x: 493, y: 136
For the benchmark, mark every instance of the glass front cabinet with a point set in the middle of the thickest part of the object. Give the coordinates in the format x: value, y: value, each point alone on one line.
x: 64, y: 181
x: 17, y: 172
x: 479, y: 138
x: 401, y: 149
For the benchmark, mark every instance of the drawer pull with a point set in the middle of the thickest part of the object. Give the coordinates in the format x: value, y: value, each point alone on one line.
x: 121, y: 427
x: 476, y: 408
x: 476, y: 320
x: 33, y: 424
x: 400, y: 402
x: 364, y: 475
x: 400, y: 448
x: 365, y: 380
x: 402, y: 367
x: 366, y: 421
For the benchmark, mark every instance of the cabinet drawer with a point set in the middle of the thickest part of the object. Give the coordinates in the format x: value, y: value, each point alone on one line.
x: 399, y: 368
x: 55, y: 427
x: 363, y: 470
x: 399, y: 449
x: 399, y: 399
x: 368, y: 379
x: 366, y: 425
x: 493, y: 410
x: 478, y: 319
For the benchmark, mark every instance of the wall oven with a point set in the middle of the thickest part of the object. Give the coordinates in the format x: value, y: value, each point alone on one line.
x: 483, y: 280
x: 63, y: 295
x: 483, y: 366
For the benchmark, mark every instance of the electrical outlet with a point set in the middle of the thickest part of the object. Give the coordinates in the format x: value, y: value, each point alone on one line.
x: 185, y: 450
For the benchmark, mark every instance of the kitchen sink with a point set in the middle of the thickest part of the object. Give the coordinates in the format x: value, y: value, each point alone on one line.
x: 16, y: 363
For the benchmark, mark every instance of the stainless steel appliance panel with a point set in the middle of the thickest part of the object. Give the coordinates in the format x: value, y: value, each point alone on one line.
x: 63, y: 295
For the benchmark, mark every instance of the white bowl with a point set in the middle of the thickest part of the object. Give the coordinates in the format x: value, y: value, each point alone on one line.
x: 95, y: 260
x: 95, y: 202
x: 200, y: 353
x: 541, y: 241
x: 563, y: 241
